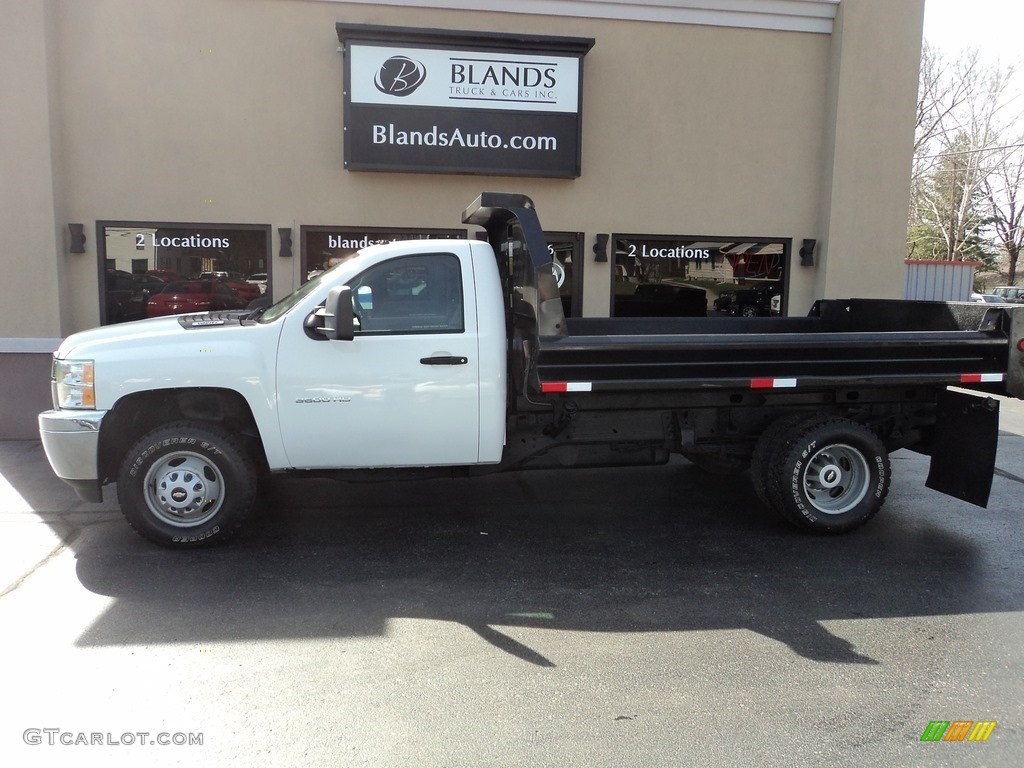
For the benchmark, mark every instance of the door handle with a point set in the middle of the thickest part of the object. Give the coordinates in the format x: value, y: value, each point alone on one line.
x: 444, y: 360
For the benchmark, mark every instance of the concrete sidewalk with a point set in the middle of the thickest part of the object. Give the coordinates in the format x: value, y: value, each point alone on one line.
x: 40, y: 514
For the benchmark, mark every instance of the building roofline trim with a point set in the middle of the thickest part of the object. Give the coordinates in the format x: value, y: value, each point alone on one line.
x: 785, y: 15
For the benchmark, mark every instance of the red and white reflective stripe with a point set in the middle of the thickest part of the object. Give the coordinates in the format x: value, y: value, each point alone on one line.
x: 980, y: 378
x: 759, y: 383
x: 772, y: 383
x: 566, y: 386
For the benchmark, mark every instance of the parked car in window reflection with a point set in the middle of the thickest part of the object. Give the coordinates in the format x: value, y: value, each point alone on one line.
x: 164, y: 274
x: 118, y: 287
x: 193, y: 296
x: 134, y: 307
x: 248, y: 291
x: 753, y: 301
x: 232, y: 280
x: 221, y: 273
x: 126, y: 294
x: 259, y: 279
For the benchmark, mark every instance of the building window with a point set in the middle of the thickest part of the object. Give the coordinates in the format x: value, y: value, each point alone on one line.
x: 678, y: 276
x: 207, y: 267
x: 566, y: 249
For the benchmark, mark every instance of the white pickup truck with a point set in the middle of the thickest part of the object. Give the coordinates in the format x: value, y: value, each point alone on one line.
x: 455, y: 354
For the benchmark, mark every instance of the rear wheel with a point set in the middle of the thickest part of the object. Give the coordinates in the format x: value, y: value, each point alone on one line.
x: 187, y: 485
x: 833, y: 476
x: 771, y: 442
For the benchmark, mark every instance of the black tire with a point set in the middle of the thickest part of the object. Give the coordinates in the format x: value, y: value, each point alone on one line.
x: 833, y: 476
x: 772, y: 442
x: 187, y: 485
x: 749, y: 310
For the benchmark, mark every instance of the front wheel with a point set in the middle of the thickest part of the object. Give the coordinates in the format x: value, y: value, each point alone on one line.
x: 187, y: 485
x: 833, y: 476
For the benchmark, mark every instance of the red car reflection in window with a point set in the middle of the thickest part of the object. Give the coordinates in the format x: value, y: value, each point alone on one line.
x: 236, y: 283
x: 248, y: 291
x: 193, y: 296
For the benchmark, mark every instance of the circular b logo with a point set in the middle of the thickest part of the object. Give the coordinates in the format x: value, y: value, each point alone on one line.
x: 399, y: 76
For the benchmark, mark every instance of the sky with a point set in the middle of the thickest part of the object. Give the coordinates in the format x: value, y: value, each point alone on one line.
x: 994, y: 27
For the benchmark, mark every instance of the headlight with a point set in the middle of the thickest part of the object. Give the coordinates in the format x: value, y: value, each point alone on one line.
x: 73, y: 384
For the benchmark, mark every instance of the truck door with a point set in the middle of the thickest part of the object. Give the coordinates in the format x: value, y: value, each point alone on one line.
x: 405, y: 391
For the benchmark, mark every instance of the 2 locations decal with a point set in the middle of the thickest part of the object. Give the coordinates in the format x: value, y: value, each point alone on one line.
x: 438, y: 102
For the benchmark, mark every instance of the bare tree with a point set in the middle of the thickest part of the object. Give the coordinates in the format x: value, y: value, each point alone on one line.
x: 941, y: 92
x: 1004, y: 191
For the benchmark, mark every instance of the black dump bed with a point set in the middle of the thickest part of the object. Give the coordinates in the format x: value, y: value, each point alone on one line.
x: 842, y: 343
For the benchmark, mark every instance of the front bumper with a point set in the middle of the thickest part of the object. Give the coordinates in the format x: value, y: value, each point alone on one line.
x: 71, y: 440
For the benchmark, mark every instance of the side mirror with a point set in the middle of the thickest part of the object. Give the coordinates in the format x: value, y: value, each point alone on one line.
x: 339, y: 309
x: 334, y: 320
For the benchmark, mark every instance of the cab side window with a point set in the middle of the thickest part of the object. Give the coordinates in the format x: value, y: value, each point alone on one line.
x: 410, y: 294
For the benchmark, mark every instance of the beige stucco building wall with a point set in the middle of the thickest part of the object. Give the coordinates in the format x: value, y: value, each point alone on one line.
x: 230, y: 111
x: 30, y: 247
x: 869, y: 126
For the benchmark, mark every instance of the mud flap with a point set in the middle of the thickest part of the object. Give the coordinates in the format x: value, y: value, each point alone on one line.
x: 964, y: 448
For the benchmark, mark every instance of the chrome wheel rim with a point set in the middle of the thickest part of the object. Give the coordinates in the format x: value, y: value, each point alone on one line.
x: 184, y: 489
x: 836, y: 479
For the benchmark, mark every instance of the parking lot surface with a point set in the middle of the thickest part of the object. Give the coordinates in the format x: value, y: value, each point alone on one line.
x: 620, y: 617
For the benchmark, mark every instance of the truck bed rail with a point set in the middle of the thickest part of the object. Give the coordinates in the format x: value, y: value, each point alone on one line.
x: 861, y: 342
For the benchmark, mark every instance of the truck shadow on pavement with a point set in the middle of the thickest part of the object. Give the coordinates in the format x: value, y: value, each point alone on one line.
x: 661, y: 549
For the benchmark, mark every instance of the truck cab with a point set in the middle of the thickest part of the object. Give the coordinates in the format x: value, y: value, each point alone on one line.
x: 420, y: 378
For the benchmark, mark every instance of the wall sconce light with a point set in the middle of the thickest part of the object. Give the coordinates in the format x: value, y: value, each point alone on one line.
x: 77, y: 238
x: 285, y: 234
x: 601, y: 247
x: 807, y: 253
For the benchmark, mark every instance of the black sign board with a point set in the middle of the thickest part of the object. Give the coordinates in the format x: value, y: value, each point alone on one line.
x: 438, y: 101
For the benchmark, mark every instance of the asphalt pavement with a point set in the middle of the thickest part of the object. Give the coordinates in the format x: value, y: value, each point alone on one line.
x: 620, y: 617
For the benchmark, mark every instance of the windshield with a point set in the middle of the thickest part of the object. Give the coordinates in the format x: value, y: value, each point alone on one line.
x: 281, y: 308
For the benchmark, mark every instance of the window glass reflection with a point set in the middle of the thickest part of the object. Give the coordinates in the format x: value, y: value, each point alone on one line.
x: 670, y: 276
x: 154, y: 270
x: 324, y: 247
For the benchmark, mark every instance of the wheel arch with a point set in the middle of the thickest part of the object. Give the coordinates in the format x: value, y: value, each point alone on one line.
x: 136, y: 414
